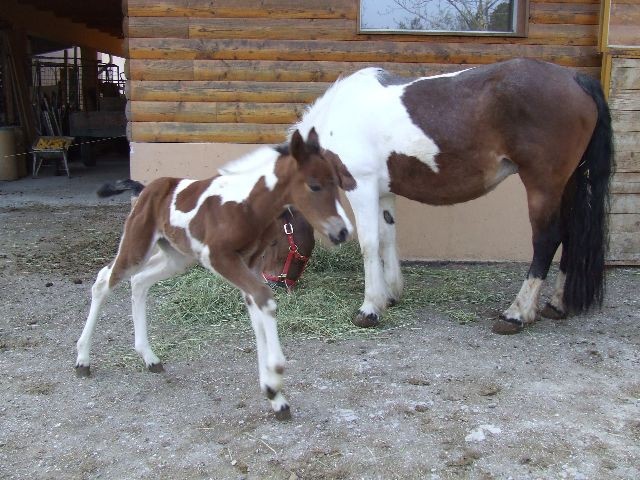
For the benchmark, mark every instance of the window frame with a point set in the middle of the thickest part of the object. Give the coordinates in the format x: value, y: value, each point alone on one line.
x: 521, y: 26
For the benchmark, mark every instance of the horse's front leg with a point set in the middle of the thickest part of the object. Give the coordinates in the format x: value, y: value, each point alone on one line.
x: 261, y: 307
x: 388, y: 249
x: 365, y: 204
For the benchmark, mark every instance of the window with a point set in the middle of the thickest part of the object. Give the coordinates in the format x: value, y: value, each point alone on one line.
x: 459, y: 17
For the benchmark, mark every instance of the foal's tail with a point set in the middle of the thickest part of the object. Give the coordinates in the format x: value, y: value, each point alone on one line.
x: 586, y: 241
x: 119, y: 186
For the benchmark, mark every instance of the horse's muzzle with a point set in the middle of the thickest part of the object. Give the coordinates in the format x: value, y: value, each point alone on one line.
x: 340, y: 237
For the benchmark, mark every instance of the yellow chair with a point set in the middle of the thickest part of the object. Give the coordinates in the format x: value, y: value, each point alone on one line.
x: 50, y: 147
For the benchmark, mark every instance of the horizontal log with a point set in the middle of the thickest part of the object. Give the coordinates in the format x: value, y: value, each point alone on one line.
x: 627, y: 142
x: 207, y: 132
x: 626, y: 35
x: 624, y: 248
x: 626, y: 183
x: 156, y: 27
x: 243, y: 8
x: 627, y: 161
x: 215, y: 112
x: 625, y: 121
x: 625, y: 203
x: 382, y: 51
x: 626, y: 100
x: 624, y: 14
x: 625, y: 223
x: 276, y: 71
x: 578, y: 13
x: 198, y: 91
x: 271, y: 71
x: 625, y: 78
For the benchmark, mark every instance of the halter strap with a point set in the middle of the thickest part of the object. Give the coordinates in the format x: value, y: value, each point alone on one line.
x: 293, y: 254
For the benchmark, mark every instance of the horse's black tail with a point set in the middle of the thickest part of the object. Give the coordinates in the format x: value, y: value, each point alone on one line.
x: 586, y: 239
x: 119, y: 186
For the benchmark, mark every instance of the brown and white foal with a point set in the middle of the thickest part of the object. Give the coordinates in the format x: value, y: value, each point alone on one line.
x: 220, y: 223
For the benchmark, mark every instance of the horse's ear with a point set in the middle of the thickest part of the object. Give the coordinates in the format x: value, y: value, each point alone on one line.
x: 313, y: 142
x: 297, y: 147
x: 347, y: 182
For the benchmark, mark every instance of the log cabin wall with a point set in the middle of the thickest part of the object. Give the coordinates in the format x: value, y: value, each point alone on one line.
x: 621, y: 76
x: 242, y: 71
x: 210, y: 79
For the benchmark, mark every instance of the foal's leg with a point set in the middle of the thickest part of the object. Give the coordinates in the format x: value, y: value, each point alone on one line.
x: 133, y: 252
x: 165, y: 263
x: 388, y: 249
x: 262, y: 308
x: 365, y: 204
x: 99, y: 292
x: 544, y: 213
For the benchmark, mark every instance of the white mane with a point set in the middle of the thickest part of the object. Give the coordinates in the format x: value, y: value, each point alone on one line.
x: 258, y: 160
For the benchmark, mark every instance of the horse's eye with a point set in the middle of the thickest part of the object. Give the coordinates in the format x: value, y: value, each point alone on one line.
x: 315, y: 187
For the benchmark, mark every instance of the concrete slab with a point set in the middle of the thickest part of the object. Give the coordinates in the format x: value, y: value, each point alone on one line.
x: 80, y: 189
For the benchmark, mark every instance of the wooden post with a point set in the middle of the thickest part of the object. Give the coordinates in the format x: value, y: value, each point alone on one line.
x: 89, y: 57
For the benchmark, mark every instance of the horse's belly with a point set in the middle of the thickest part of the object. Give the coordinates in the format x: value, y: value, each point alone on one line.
x: 455, y: 181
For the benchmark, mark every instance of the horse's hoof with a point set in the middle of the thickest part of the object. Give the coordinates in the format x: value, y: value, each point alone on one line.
x: 503, y: 326
x: 156, y: 367
x: 553, y: 312
x: 83, y: 371
x: 365, y: 320
x: 392, y: 302
x: 283, y: 414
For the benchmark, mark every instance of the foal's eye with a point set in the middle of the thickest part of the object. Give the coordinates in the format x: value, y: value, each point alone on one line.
x: 314, y: 187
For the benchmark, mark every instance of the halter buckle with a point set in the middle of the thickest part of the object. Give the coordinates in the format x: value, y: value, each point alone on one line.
x: 288, y: 229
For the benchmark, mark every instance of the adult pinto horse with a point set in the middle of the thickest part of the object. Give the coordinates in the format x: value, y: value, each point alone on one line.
x: 223, y: 224
x: 451, y: 138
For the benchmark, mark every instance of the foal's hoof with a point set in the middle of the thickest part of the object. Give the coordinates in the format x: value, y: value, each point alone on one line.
x: 504, y: 326
x: 552, y: 312
x: 83, y: 371
x: 156, y: 367
x: 365, y: 320
x: 283, y: 414
x: 392, y: 302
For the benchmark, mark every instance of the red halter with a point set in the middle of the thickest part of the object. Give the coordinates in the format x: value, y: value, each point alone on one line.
x: 293, y: 254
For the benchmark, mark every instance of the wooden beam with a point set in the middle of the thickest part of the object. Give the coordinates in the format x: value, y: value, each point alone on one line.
x: 46, y: 25
x: 380, y: 51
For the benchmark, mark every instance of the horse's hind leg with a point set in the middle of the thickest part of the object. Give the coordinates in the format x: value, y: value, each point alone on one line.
x: 134, y: 250
x: 544, y: 213
x: 388, y: 249
x: 99, y: 292
x: 165, y: 263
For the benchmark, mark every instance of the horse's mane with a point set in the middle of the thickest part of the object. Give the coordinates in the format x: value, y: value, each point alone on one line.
x: 323, y: 103
x: 259, y: 159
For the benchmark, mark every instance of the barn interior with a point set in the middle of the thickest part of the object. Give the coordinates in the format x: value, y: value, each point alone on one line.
x: 62, y: 82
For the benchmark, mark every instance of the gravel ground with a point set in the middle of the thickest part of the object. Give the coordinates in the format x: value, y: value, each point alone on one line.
x: 431, y: 399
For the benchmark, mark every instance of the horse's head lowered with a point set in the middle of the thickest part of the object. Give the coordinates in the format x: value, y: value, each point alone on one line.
x: 314, y: 187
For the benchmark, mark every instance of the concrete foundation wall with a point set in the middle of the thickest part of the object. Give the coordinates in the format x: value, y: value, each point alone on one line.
x: 494, y: 227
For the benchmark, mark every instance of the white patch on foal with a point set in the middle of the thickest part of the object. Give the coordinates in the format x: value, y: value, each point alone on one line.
x: 237, y: 180
x: 525, y: 306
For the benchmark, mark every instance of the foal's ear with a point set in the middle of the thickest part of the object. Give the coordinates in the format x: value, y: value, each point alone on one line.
x: 347, y: 182
x: 313, y: 142
x: 297, y: 147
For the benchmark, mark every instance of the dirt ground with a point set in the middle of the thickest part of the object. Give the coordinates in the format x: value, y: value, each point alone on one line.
x: 432, y: 399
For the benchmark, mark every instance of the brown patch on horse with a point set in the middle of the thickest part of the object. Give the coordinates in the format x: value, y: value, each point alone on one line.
x: 474, y: 135
x: 141, y: 226
x: 187, y: 199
